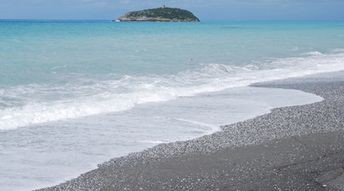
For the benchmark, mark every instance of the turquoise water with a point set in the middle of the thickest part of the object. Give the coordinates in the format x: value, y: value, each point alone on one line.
x: 73, y: 69
x: 83, y: 88
x: 56, y: 52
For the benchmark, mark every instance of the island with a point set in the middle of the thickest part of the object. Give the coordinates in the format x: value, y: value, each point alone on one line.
x: 162, y: 14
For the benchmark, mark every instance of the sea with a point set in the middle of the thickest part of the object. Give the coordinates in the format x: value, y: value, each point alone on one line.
x: 74, y: 94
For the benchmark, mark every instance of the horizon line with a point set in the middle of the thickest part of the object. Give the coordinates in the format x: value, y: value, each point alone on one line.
x: 95, y: 19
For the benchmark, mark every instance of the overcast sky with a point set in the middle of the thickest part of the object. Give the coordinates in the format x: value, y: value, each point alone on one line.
x: 205, y: 9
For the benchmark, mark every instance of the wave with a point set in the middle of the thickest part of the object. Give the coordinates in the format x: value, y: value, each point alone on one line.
x: 36, y: 104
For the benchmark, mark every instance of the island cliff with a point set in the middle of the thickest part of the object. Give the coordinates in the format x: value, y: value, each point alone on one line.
x: 164, y: 14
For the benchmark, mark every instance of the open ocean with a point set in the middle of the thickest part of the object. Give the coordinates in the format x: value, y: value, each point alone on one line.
x: 77, y: 93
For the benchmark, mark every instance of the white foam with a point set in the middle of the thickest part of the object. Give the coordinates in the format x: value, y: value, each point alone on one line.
x: 36, y: 104
x: 338, y: 50
x: 314, y: 53
x: 33, y: 158
x: 211, y: 128
x: 155, y: 142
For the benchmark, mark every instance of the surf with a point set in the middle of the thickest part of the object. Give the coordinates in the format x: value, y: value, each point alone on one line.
x: 99, y: 97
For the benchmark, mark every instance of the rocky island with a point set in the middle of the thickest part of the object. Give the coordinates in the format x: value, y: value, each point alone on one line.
x: 162, y: 14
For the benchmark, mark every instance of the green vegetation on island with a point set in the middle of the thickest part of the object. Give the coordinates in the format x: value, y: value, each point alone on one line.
x: 164, y: 14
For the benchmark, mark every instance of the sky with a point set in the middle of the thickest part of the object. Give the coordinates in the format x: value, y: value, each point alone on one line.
x: 204, y: 9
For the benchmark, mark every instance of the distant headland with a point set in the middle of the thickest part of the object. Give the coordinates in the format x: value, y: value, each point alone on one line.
x: 162, y: 14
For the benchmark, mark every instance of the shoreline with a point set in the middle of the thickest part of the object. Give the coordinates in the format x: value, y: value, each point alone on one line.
x: 149, y: 169
x: 225, y: 107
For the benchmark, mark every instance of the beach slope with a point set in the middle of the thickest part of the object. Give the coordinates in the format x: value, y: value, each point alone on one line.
x: 291, y: 148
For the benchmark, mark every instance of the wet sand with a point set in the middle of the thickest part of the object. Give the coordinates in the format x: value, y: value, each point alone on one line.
x: 291, y: 148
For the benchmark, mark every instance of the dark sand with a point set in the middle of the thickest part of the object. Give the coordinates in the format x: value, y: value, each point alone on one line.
x: 292, y: 148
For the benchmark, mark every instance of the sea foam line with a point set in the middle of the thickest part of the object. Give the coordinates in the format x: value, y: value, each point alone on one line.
x: 129, y: 91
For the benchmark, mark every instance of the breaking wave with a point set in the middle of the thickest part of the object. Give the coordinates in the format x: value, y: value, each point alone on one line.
x: 33, y: 104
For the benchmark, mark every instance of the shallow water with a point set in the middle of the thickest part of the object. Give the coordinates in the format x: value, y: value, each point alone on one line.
x: 47, y: 154
x: 61, y: 70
